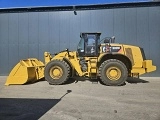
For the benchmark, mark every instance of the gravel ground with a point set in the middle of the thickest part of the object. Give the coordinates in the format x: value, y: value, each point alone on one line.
x: 138, y: 99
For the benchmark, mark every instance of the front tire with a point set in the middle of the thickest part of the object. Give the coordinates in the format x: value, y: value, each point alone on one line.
x: 113, y: 72
x: 57, y: 72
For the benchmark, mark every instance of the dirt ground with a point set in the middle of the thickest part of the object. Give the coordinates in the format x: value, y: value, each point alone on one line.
x: 138, y: 99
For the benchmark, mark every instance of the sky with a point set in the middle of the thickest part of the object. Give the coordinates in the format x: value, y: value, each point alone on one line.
x: 36, y: 3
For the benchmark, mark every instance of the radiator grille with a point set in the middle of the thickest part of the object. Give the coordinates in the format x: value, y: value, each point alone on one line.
x: 129, y: 54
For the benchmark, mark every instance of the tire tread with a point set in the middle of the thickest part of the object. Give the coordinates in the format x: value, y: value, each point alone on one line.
x: 106, y: 62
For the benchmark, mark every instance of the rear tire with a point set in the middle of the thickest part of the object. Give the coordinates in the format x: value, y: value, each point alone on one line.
x: 113, y: 72
x: 57, y: 72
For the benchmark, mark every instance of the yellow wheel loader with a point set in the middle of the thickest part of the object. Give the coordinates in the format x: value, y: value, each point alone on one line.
x: 104, y: 59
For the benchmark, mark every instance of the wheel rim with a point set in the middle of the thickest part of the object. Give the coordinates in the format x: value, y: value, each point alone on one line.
x: 113, y: 73
x: 56, y: 72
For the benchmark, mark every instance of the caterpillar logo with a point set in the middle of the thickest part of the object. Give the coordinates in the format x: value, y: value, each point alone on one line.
x: 111, y: 49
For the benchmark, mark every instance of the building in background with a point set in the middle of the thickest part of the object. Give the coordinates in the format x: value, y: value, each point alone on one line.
x: 30, y: 31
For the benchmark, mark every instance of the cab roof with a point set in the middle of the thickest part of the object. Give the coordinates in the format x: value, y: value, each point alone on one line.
x: 89, y: 33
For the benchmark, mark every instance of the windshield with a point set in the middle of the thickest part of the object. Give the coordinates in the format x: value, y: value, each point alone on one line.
x: 80, y: 46
x: 91, y: 40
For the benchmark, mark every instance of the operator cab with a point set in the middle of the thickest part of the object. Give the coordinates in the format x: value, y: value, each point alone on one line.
x: 88, y: 45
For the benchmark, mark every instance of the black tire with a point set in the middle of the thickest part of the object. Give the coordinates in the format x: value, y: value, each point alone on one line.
x: 63, y: 74
x: 113, y: 72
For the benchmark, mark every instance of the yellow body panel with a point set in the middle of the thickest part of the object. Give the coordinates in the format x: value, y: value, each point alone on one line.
x: 139, y: 65
x: 26, y: 71
x: 92, y: 65
x: 136, y: 55
x: 146, y: 67
x: 147, y: 64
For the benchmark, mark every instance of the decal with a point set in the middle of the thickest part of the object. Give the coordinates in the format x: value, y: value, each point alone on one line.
x: 111, y: 49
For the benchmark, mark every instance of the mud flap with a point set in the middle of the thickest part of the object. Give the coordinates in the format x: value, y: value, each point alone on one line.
x: 29, y: 70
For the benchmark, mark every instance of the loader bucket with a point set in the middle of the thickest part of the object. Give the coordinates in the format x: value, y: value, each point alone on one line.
x: 29, y: 70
